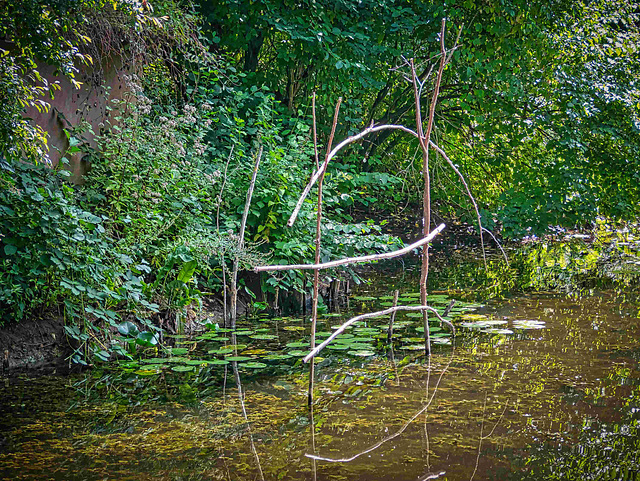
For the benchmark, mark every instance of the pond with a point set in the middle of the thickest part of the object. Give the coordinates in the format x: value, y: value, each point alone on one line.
x: 535, y: 387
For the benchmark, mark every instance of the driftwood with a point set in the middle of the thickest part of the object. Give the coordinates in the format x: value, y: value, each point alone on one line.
x: 355, y: 260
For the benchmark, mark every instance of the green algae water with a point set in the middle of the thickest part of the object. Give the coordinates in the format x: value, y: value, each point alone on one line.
x: 537, y: 387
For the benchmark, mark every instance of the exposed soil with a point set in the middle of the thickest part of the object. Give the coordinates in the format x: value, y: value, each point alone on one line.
x: 33, y: 344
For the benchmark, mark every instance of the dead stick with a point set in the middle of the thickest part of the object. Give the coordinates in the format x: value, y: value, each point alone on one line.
x: 369, y: 315
x: 243, y: 225
x: 355, y: 260
x: 316, y: 274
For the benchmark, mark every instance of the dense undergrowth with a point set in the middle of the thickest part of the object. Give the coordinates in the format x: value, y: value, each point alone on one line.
x: 154, y: 226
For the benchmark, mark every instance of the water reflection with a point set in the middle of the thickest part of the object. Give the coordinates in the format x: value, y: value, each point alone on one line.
x: 559, y: 402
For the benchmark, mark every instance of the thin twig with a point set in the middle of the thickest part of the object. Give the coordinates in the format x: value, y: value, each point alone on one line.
x: 393, y: 316
x: 504, y: 254
x: 466, y: 186
x: 354, y: 260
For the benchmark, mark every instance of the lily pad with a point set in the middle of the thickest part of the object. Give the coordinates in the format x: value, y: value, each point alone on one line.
x: 182, y: 368
x: 244, y: 333
x: 441, y: 340
x: 218, y: 362
x: 253, y: 365
x: 499, y: 331
x: 529, y: 324
x: 298, y: 353
x: 178, y: 351
x: 339, y: 347
x: 237, y: 358
x: 362, y: 353
x: 277, y: 357
x: 254, y: 352
x: 482, y: 324
x: 147, y: 372
x: 196, y: 362
x: 297, y: 344
x: 294, y: 328
x: 264, y: 337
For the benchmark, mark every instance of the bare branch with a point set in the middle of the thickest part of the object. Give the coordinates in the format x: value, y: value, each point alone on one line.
x: 333, y: 153
x: 473, y: 200
x: 354, y: 260
x: 243, y: 225
x: 504, y: 254
x: 370, y: 315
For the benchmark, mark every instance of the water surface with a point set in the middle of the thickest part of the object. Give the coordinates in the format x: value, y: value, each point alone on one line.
x: 558, y: 398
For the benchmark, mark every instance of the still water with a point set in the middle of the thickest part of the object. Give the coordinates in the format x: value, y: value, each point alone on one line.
x: 536, y: 387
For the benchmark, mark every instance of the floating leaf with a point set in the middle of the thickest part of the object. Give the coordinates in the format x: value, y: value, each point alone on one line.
x: 473, y: 317
x: 441, y: 340
x: 362, y: 353
x: 237, y: 358
x: 499, y: 331
x: 178, y: 351
x: 297, y: 344
x: 277, y: 357
x: 146, y: 372
x: 244, y: 333
x: 298, y: 353
x: 253, y: 351
x: 177, y: 360
x: 182, y: 368
x: 357, y: 346
x: 263, y: 337
x: 339, y: 347
x: 218, y: 362
x: 253, y: 365
x: 195, y: 362
x: 529, y: 324
x: 482, y: 324
x: 294, y: 328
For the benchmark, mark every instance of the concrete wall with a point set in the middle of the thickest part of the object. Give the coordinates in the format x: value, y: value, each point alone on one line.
x: 100, y: 84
